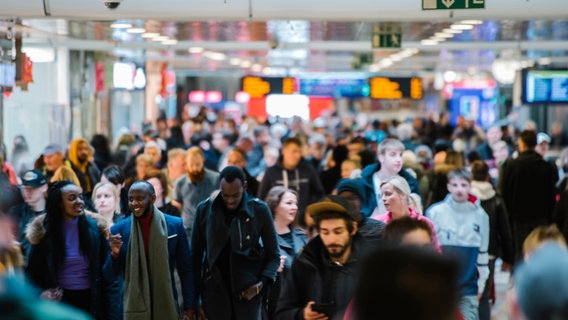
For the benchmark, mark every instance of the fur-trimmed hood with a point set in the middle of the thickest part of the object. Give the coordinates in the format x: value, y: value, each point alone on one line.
x: 482, y: 189
x: 35, y: 231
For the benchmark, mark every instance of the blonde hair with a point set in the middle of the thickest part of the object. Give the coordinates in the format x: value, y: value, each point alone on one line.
x: 400, y: 184
x: 66, y: 173
x: 194, y: 151
x: 113, y: 189
x: 541, y: 235
x: 144, y: 157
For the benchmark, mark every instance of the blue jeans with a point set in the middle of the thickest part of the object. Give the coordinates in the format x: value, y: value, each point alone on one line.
x: 469, y: 306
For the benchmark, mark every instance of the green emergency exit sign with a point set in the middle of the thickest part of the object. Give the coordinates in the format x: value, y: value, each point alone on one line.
x: 452, y: 4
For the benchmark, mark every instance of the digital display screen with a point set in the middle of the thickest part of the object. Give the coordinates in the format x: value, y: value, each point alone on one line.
x: 545, y: 86
x: 258, y: 87
x: 395, y: 88
x: 337, y: 88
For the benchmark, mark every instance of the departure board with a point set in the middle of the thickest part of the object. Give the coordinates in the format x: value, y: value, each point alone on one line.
x: 395, y: 88
x: 258, y: 87
x: 546, y: 86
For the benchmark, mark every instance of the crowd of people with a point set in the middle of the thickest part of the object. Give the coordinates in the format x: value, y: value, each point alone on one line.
x: 335, y: 219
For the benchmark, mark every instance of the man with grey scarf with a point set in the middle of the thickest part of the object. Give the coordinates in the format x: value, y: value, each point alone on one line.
x: 145, y: 247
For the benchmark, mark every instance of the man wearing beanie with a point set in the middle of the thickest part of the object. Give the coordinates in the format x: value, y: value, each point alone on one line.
x: 353, y: 191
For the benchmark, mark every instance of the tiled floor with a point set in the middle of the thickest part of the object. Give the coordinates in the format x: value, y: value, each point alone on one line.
x: 499, y: 310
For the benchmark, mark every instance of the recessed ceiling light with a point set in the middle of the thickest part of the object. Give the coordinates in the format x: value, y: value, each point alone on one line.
x: 161, y: 38
x: 169, y: 42
x: 461, y: 26
x: 374, y: 68
x: 246, y: 64
x: 136, y: 30
x: 195, y: 50
x: 218, y: 56
x: 437, y: 39
x: 121, y: 25
x: 471, y: 21
x: 454, y: 31
x: 427, y: 42
x: 235, y: 61
x: 150, y: 35
x: 443, y: 35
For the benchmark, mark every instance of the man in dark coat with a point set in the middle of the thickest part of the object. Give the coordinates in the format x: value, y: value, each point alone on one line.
x: 238, y: 157
x: 234, y: 252
x: 390, y: 164
x: 323, y: 277
x: 293, y: 172
x: 527, y: 185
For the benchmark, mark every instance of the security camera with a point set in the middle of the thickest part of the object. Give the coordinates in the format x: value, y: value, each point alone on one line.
x: 112, y: 4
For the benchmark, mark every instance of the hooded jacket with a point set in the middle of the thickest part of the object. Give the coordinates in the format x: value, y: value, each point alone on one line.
x: 42, y: 271
x: 370, y: 199
x: 500, y: 237
x: 314, y: 277
x: 87, y: 172
x: 303, y: 179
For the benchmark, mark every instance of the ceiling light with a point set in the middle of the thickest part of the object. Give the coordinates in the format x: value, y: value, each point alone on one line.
x: 267, y: 70
x: 443, y: 35
x: 161, y: 38
x: 256, y: 67
x: 544, y: 61
x: 246, y: 64
x: 235, y: 61
x: 374, y: 68
x: 150, y: 35
x: 437, y: 39
x: 136, y: 30
x: 169, y: 42
x: 121, y: 25
x: 218, y: 56
x: 471, y: 21
x: 454, y: 31
x: 395, y: 57
x: 461, y: 26
x: 196, y: 50
x: 450, y: 76
x: 427, y: 42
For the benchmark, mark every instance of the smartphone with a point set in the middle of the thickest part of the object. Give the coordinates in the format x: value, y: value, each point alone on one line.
x: 324, y: 308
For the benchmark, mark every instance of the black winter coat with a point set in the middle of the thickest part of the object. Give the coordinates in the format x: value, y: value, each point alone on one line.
x: 254, y: 254
x: 314, y: 277
x: 42, y: 271
x: 304, y: 180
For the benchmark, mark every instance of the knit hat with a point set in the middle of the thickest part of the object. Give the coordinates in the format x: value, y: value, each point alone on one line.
x: 542, y: 284
x: 352, y: 185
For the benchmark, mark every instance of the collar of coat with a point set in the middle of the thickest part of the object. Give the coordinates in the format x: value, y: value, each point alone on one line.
x: 245, y: 207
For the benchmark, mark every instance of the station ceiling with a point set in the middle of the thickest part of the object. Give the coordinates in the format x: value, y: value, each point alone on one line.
x: 298, y: 35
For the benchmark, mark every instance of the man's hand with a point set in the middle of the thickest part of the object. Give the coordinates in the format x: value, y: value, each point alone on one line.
x: 309, y: 314
x: 251, y: 291
x: 115, y: 244
x: 191, y: 314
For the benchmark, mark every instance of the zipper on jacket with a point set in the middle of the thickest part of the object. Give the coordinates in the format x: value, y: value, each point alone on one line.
x: 240, y: 234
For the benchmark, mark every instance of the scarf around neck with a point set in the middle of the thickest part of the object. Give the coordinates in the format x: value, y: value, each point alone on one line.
x: 148, y: 290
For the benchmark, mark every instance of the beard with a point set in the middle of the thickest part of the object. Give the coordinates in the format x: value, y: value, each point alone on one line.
x: 196, y: 177
x: 336, y: 250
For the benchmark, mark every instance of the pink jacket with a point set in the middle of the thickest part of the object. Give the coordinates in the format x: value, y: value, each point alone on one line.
x: 387, y: 217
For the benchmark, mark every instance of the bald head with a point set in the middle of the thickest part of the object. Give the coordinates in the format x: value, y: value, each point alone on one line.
x: 141, y: 197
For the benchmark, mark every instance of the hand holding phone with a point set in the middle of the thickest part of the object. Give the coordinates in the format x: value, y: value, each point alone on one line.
x: 310, y: 314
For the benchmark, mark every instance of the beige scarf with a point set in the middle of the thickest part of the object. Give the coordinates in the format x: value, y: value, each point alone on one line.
x: 148, y: 290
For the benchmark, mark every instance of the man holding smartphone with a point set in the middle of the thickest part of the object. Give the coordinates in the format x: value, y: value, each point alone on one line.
x: 322, y: 280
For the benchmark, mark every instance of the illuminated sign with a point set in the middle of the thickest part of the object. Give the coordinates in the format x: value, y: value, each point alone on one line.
x: 258, y: 87
x: 395, y: 88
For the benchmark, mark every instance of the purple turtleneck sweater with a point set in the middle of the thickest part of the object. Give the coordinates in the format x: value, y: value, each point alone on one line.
x: 74, y: 273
